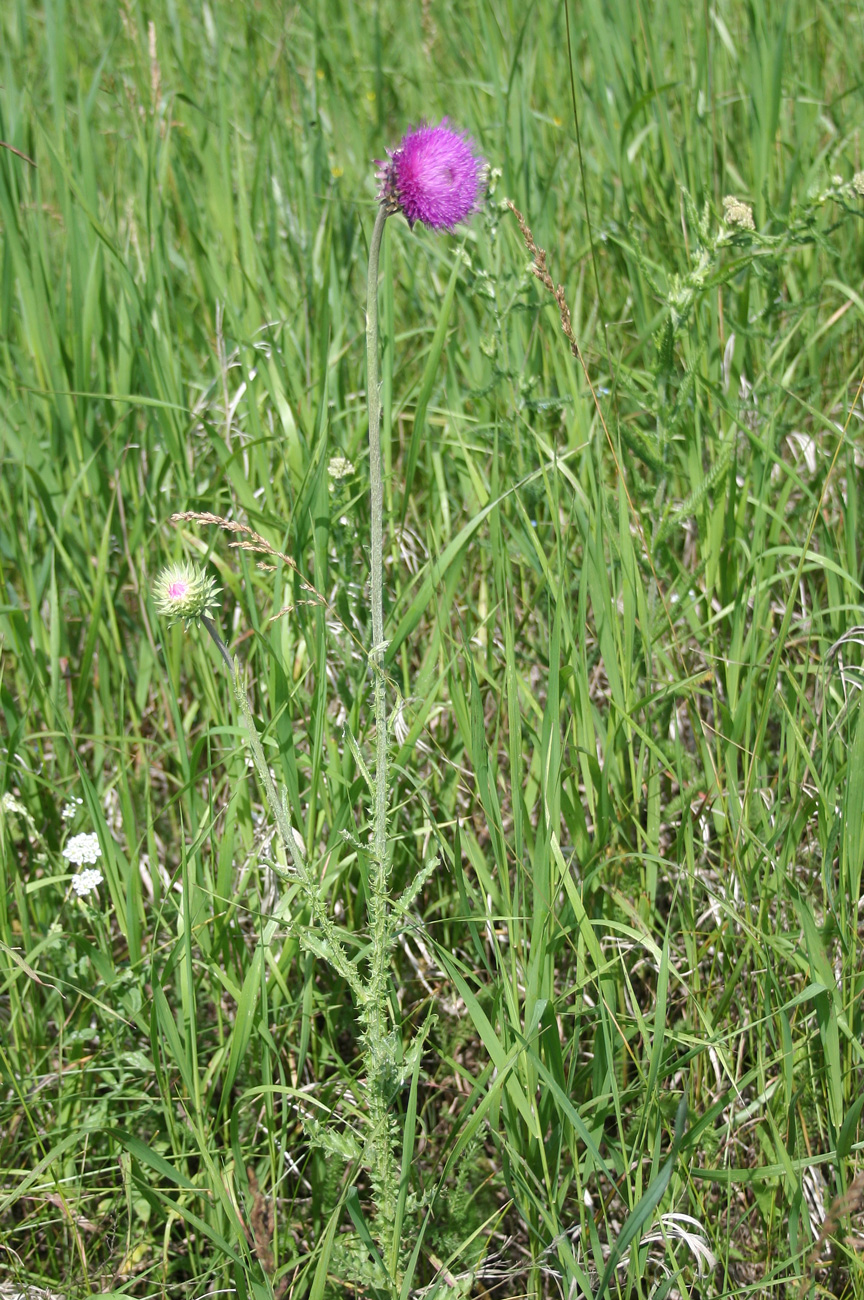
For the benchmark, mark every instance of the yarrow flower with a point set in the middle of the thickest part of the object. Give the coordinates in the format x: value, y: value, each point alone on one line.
x: 433, y: 177
x: 70, y: 809
x: 339, y: 467
x: 738, y: 213
x: 183, y: 592
x: 87, y: 882
x: 10, y: 804
x: 82, y: 848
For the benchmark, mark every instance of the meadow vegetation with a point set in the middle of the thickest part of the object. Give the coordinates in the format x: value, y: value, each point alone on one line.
x: 622, y: 607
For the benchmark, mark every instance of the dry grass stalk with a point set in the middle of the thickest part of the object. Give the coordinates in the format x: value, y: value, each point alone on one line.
x: 849, y: 1202
x: 541, y: 270
x: 263, y: 1223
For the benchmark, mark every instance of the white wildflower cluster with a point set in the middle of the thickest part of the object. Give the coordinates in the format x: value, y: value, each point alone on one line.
x: 87, y: 882
x: 70, y: 809
x: 736, y: 213
x: 82, y: 849
x: 10, y: 804
x: 339, y: 467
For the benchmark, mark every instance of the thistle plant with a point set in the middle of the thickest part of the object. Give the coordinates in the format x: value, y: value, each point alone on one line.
x: 434, y: 177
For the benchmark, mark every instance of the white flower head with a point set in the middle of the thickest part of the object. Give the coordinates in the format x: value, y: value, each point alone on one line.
x: 339, y: 467
x: 82, y: 849
x: 70, y: 809
x: 737, y: 213
x: 87, y: 882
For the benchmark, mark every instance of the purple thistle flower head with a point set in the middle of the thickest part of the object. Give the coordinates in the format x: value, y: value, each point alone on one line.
x: 433, y: 176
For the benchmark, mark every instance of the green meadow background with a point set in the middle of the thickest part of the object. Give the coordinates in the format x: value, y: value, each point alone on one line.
x: 625, y: 727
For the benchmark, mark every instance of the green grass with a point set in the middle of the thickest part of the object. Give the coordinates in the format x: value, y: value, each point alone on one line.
x: 625, y: 738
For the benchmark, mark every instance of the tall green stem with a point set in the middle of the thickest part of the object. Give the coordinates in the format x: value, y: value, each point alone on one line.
x: 380, y: 871
x: 379, y: 1054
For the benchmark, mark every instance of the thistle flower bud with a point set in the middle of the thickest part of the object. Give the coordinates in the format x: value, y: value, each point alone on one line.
x: 183, y: 592
x: 433, y: 177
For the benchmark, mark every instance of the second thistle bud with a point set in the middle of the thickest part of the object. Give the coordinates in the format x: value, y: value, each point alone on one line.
x: 185, y: 593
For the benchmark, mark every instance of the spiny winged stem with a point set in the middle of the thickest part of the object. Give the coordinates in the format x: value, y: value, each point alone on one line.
x: 379, y: 885
x: 378, y: 1053
x: 370, y: 996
